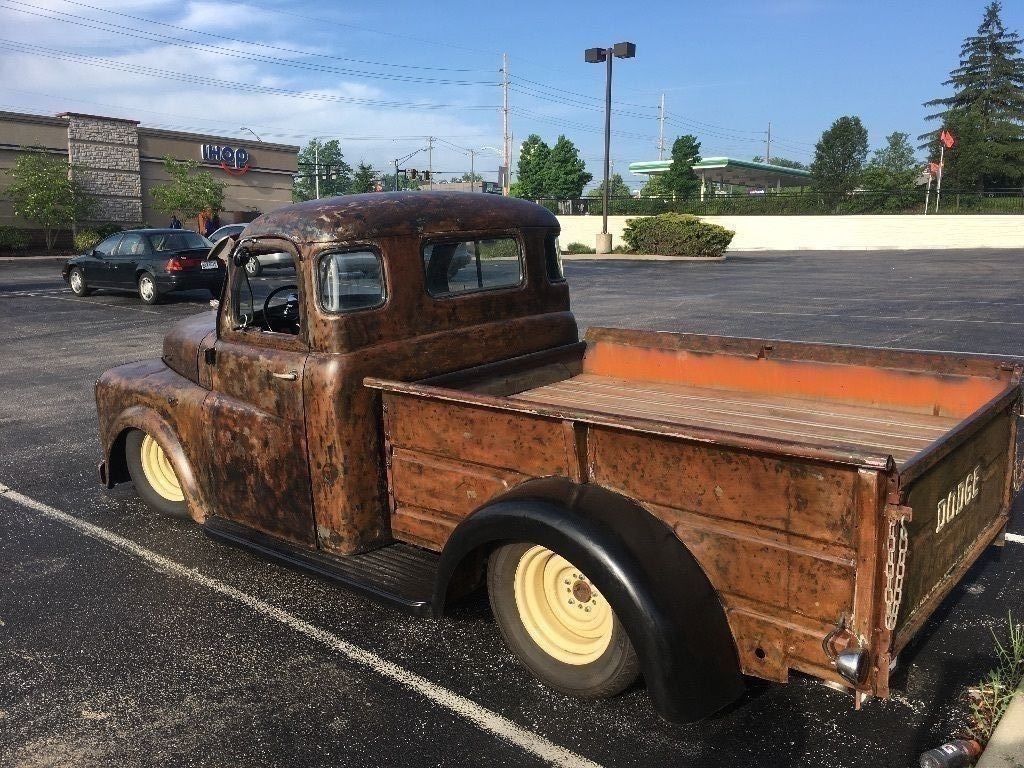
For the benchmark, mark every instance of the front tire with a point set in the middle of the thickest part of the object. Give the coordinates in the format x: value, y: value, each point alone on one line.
x: 558, y: 624
x: 76, y: 279
x: 147, y: 289
x: 153, y: 475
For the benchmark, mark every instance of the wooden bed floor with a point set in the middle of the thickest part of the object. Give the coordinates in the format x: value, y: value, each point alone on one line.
x: 817, y: 422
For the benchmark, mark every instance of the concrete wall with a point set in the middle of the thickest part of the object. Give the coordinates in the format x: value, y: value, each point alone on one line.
x: 834, y: 233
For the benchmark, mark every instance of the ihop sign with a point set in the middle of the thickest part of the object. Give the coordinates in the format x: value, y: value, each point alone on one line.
x: 233, y: 160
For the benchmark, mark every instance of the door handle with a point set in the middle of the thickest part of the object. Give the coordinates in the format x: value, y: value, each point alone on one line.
x: 290, y: 376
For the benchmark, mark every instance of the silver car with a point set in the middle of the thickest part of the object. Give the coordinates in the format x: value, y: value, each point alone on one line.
x: 256, y: 264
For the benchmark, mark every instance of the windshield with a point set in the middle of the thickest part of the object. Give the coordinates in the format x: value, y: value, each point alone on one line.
x: 178, y: 241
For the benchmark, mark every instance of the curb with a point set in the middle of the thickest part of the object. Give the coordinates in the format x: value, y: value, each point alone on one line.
x: 634, y: 257
x: 1006, y: 747
x: 34, y: 258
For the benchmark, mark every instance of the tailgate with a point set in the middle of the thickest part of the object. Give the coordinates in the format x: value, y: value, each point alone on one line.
x: 959, y: 504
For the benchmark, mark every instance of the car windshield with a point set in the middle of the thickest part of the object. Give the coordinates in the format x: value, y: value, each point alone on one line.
x: 178, y: 241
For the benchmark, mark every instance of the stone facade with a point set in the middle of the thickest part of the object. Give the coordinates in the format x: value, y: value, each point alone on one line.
x: 104, y: 156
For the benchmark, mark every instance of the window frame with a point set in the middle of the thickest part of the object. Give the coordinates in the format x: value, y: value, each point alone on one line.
x: 385, y: 294
x: 146, y: 250
x: 116, y: 237
x: 464, y: 237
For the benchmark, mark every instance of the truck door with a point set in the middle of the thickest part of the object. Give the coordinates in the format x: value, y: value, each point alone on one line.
x: 255, y: 410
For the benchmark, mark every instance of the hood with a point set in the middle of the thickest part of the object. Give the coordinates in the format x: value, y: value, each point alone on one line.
x: 182, y: 343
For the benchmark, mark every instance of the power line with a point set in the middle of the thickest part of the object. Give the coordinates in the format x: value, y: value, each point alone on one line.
x: 97, y: 61
x: 82, y: 21
x: 274, y: 47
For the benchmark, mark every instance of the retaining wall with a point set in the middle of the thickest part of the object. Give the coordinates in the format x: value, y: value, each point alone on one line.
x: 835, y: 233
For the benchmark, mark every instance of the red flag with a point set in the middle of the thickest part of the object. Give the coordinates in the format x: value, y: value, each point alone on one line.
x: 947, y: 139
x: 933, y: 169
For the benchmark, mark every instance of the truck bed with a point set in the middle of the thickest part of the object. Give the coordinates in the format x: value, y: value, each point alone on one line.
x: 781, y: 466
x: 820, y: 422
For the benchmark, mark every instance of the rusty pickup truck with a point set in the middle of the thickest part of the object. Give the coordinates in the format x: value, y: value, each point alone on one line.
x: 411, y: 413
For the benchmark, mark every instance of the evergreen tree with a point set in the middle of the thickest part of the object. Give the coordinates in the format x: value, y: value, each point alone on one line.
x: 839, y: 157
x: 679, y: 179
x: 530, y: 171
x: 988, y: 95
x: 566, y: 174
x: 364, y: 179
x: 335, y: 174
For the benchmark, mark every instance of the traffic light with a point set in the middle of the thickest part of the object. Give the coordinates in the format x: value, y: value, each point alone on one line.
x: 426, y: 175
x: 412, y: 173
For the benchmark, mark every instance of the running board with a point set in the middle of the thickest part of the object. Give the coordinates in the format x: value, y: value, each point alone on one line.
x: 397, y: 574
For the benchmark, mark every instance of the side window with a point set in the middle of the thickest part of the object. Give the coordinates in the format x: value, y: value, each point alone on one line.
x: 131, y: 245
x: 350, y: 281
x: 106, y: 248
x: 553, y: 259
x: 468, y: 266
x: 271, y: 300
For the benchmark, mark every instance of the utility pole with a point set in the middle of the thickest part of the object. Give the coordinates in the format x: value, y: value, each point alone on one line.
x: 507, y: 137
x: 472, y: 172
x: 661, y: 129
x: 768, y: 144
x: 316, y: 166
x: 430, y: 161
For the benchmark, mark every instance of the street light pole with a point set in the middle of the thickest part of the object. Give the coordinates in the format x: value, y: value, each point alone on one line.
x: 595, y: 56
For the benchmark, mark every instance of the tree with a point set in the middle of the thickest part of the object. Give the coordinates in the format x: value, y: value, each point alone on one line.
x: 893, y: 167
x: 190, y: 190
x: 43, y: 192
x: 988, y: 92
x: 654, y: 187
x: 782, y: 162
x: 364, y: 179
x: 839, y: 157
x: 326, y: 159
x: 616, y: 188
x: 531, y: 179
x: 468, y: 177
x: 964, y: 165
x: 679, y: 179
x: 566, y: 174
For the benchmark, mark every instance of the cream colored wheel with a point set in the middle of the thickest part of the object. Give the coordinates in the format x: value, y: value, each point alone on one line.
x: 560, y: 608
x: 158, y: 470
x: 558, y: 623
x: 154, y: 475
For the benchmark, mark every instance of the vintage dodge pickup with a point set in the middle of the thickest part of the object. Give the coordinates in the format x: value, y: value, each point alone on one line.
x: 691, y: 509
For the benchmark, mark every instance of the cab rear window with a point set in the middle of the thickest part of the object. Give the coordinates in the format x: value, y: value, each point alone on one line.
x: 457, y: 267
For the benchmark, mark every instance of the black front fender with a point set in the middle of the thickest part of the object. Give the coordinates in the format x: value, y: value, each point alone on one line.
x: 660, y: 593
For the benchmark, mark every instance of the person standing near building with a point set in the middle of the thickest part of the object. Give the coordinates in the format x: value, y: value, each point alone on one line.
x: 175, y: 222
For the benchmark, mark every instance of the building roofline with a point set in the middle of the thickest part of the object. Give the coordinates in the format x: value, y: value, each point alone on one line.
x: 710, y: 163
x: 98, y: 117
x: 28, y: 117
x: 186, y: 135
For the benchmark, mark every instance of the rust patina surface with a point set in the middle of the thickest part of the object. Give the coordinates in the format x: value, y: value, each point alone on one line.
x: 782, y: 467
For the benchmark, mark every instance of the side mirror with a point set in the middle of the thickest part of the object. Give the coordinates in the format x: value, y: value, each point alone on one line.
x: 240, y: 258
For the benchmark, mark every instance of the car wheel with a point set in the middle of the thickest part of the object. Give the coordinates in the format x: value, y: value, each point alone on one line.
x: 147, y: 289
x: 558, y: 623
x: 253, y: 267
x: 153, y: 475
x: 76, y: 279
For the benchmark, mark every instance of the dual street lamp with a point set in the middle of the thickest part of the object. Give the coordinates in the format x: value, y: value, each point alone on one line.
x: 596, y: 56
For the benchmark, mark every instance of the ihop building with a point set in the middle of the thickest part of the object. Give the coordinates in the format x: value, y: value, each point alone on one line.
x: 119, y: 161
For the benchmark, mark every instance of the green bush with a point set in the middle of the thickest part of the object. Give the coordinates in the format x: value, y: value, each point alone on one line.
x: 87, y: 239
x: 108, y: 229
x: 576, y: 248
x: 12, y: 239
x: 676, y: 234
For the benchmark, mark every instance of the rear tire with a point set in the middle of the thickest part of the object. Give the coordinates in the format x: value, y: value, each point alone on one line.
x: 153, y: 475
x: 147, y: 289
x: 558, y: 624
x: 76, y: 279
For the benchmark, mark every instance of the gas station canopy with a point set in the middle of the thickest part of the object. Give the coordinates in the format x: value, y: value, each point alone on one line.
x: 729, y: 170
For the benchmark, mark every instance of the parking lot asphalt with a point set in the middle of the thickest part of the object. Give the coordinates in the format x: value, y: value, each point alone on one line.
x: 129, y: 639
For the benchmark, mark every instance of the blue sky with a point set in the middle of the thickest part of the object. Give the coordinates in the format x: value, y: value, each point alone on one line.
x: 380, y: 76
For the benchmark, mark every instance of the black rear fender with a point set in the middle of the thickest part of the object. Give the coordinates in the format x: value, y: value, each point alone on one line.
x: 671, y: 612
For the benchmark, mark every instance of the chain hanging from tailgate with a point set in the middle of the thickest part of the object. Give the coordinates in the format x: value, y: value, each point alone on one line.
x: 896, y: 562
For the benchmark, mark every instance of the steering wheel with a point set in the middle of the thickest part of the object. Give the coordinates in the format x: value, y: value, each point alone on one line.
x: 290, y: 311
